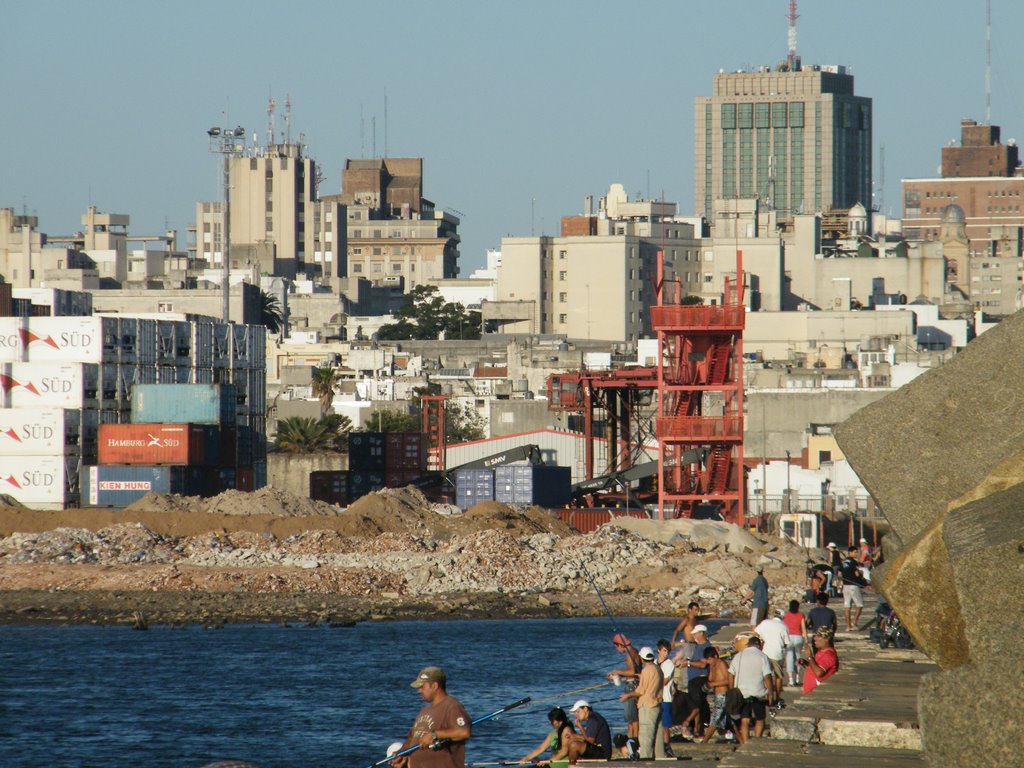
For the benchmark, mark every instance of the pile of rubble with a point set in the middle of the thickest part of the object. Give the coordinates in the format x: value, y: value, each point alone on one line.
x: 395, y: 542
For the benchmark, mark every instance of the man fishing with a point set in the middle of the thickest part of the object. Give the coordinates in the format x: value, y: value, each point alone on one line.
x: 441, y: 728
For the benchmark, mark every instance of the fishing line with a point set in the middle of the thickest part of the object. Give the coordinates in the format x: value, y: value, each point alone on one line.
x: 600, y: 597
x: 573, y: 693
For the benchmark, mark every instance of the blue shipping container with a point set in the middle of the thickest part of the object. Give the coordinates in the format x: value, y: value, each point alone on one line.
x: 473, y: 486
x: 545, y: 486
x: 184, y: 403
x: 119, y: 486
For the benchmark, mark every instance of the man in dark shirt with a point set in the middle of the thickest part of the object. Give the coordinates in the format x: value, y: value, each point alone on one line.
x: 821, y: 615
x: 757, y: 593
x: 594, y: 741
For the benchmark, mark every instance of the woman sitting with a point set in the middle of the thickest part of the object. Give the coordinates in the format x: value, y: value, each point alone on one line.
x: 557, y: 741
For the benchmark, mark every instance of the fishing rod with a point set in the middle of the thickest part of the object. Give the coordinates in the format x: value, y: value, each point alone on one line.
x: 410, y: 750
x: 573, y: 693
x: 600, y: 597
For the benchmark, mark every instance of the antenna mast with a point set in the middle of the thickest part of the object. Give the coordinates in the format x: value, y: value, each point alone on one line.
x: 270, y: 122
x: 287, y: 119
x: 794, y: 62
x: 988, y: 62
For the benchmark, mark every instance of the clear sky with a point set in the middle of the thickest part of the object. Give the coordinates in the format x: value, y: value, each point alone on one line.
x: 518, y: 109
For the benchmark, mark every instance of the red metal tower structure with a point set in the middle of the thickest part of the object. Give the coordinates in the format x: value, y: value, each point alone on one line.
x: 432, y: 409
x: 700, y: 399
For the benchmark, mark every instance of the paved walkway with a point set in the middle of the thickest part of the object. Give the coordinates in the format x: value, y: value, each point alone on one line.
x: 866, y: 715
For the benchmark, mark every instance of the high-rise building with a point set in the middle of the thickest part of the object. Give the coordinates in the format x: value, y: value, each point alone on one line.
x: 278, y: 225
x: 798, y: 139
x: 395, y: 235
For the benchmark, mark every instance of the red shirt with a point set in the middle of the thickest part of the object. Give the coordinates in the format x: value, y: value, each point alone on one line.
x: 828, y: 660
x: 794, y: 622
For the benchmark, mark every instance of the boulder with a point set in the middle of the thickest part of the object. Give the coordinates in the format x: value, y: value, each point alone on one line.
x: 941, y: 435
x: 967, y: 717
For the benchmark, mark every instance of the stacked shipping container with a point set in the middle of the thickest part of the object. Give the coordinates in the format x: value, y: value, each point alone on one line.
x: 545, y: 486
x: 376, y: 460
x: 89, y: 366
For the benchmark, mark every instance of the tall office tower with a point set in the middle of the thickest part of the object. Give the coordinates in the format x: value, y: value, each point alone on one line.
x: 278, y: 225
x: 797, y: 138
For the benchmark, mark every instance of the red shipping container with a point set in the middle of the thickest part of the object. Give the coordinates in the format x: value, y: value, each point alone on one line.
x: 244, y: 479
x: 399, y: 478
x: 588, y: 520
x: 149, y: 444
x: 404, y: 450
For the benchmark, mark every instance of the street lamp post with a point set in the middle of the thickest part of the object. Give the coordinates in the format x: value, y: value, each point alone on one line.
x: 789, y: 488
x: 229, y: 142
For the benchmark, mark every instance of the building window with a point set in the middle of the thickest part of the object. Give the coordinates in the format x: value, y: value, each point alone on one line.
x: 563, y: 318
x: 357, y: 268
x: 563, y: 297
x: 357, y: 251
x: 396, y: 267
x: 378, y: 266
x: 561, y: 254
x: 562, y: 275
x: 376, y: 251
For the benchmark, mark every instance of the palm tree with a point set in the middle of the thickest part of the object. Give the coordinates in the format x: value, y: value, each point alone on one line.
x: 325, y: 382
x: 301, y: 434
x: 270, y: 312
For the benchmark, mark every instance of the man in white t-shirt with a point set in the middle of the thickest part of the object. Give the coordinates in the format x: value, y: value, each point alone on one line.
x: 751, y: 672
x: 774, y: 637
x: 668, y: 692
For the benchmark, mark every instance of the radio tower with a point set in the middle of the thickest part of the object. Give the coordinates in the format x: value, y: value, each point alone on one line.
x: 794, y: 62
x: 288, y: 119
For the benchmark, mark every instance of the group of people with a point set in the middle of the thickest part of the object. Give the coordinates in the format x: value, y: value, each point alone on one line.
x: 681, y: 685
x: 847, y: 574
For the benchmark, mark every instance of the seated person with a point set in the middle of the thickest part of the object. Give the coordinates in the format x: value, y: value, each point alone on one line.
x: 558, y: 740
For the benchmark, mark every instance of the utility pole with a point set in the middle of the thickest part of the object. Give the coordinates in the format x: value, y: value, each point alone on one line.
x: 229, y: 142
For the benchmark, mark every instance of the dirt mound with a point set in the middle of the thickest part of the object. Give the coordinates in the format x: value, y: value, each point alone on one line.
x: 167, y: 503
x: 490, y: 515
x: 267, y: 501
x: 392, y: 510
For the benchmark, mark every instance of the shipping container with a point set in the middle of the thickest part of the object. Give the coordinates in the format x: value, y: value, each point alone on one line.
x: 226, y: 479
x: 405, y: 450
x: 184, y: 403
x: 259, y: 475
x: 56, y: 302
x: 119, y: 486
x: 244, y: 479
x: 361, y: 483
x: 399, y: 478
x: 185, y: 444
x: 545, y: 486
x: 30, y: 385
x: 366, y: 451
x: 473, y: 486
x: 330, y: 486
x: 6, y: 300
x: 40, y: 482
x: 589, y: 520
x: 60, y: 339
x: 40, y: 431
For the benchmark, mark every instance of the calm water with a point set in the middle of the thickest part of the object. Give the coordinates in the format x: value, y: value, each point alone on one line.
x: 106, y: 696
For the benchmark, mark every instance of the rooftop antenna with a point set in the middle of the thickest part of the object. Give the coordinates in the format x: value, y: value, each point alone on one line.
x: 270, y: 121
x: 362, y: 133
x: 881, y: 178
x: 385, y: 122
x: 373, y: 126
x: 791, y: 37
x: 988, y: 62
x: 288, y: 119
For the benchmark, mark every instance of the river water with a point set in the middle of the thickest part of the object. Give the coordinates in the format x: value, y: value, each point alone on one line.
x: 289, y: 696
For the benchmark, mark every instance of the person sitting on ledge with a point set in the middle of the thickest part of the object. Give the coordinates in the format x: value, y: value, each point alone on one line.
x: 823, y: 663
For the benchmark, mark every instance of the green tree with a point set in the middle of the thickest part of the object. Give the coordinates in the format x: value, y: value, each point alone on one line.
x: 325, y: 384
x: 338, y: 425
x: 271, y: 315
x: 425, y: 315
x: 692, y: 299
x: 390, y: 420
x: 462, y: 423
x: 301, y: 434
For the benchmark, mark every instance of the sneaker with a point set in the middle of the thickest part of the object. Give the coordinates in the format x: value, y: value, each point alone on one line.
x: 669, y: 752
x: 687, y: 734
x: 676, y: 730
x: 730, y: 736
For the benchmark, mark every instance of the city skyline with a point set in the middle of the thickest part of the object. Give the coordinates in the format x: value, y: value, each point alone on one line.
x: 518, y: 112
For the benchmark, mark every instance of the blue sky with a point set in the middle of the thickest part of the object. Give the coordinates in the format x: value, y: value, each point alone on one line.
x: 519, y: 109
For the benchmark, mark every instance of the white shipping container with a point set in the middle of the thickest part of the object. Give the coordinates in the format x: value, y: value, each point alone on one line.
x: 60, y: 339
x: 40, y: 431
x: 34, y: 385
x: 41, y: 482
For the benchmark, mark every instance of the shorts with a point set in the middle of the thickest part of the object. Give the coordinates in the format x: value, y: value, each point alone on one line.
x: 666, y: 714
x: 594, y: 752
x: 630, y: 712
x: 754, y: 709
x: 852, y: 595
x: 719, y: 719
x: 776, y: 668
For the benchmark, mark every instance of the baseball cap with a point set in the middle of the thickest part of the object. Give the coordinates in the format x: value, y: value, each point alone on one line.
x: 831, y: 545
x: 825, y: 632
x: 863, y: 541
x: 646, y: 653
x: 699, y: 628
x: 580, y: 704
x: 428, y: 675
